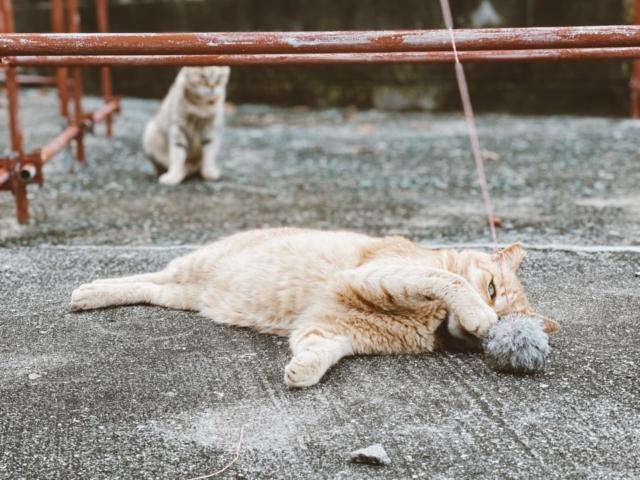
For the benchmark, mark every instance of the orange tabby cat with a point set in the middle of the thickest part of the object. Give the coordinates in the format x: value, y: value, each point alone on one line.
x: 332, y: 294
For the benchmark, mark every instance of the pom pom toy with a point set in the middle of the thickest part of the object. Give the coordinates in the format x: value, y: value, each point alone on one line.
x: 518, y: 344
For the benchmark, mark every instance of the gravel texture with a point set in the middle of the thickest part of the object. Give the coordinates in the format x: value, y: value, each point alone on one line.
x: 557, y: 180
x: 144, y: 392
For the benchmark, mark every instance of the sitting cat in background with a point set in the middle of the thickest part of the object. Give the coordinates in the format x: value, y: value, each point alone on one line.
x: 332, y: 294
x: 184, y: 136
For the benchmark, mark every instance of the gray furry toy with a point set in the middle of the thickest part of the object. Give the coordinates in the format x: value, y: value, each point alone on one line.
x: 518, y: 344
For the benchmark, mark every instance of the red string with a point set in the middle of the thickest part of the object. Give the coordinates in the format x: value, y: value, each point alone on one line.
x: 475, y: 142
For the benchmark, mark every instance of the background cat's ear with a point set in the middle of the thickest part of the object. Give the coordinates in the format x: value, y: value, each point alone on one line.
x: 550, y: 326
x: 511, y: 256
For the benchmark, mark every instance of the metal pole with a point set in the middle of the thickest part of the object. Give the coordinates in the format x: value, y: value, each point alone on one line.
x: 13, y: 95
x: 14, y: 110
x: 72, y: 131
x: 59, y: 142
x: 634, y: 84
x: 74, y: 27
x: 319, y: 42
x: 62, y: 74
x: 105, y: 73
x: 19, y: 188
x: 328, y: 58
x: 6, y: 17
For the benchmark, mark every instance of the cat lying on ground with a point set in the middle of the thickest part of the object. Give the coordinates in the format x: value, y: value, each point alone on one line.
x: 332, y: 294
x: 184, y: 136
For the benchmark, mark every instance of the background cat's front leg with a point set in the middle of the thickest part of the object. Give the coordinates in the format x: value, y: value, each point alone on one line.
x: 154, y: 143
x: 210, y: 170
x: 178, y: 144
x: 315, y: 350
x: 213, y: 138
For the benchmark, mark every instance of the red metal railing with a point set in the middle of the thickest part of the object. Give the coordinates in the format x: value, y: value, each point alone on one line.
x: 319, y: 42
x: 73, y: 24
x: 409, y: 46
x: 73, y: 130
x: 62, y: 74
x: 13, y: 165
x: 634, y: 84
x: 105, y: 73
x: 20, y: 169
x: 326, y: 58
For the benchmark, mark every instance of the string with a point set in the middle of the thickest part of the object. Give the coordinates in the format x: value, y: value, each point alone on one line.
x: 475, y: 142
x: 235, y: 459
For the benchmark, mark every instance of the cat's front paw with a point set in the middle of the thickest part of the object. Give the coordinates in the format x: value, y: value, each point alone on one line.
x: 171, y: 178
x: 478, y: 320
x: 304, y: 370
x: 210, y: 173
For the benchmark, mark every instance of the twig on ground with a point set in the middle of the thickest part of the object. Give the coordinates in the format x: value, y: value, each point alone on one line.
x: 229, y: 465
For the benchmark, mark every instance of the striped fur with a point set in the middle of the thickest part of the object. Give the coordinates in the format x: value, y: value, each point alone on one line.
x: 331, y: 293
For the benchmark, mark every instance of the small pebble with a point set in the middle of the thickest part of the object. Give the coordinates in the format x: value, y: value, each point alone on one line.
x: 373, y: 455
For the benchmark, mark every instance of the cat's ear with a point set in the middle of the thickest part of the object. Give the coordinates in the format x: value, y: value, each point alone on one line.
x: 550, y: 326
x: 511, y: 256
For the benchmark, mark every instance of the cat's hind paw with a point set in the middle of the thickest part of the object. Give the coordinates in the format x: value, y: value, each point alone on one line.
x: 89, y: 296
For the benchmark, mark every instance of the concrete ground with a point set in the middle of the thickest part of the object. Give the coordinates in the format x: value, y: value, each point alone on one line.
x: 143, y: 392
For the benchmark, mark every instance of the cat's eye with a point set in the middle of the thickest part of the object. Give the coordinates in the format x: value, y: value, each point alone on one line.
x: 491, y: 289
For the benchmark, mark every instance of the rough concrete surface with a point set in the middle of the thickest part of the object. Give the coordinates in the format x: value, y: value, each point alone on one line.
x: 144, y: 392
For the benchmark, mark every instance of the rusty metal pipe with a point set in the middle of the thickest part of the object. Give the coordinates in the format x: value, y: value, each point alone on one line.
x: 27, y: 172
x: 102, y: 13
x: 62, y: 75
x: 13, y: 89
x: 58, y: 143
x: 335, y: 58
x: 7, y: 26
x: 106, y: 110
x: 634, y: 84
x: 77, y: 109
x: 4, y: 176
x: 72, y: 131
x: 318, y: 42
x: 73, y: 21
